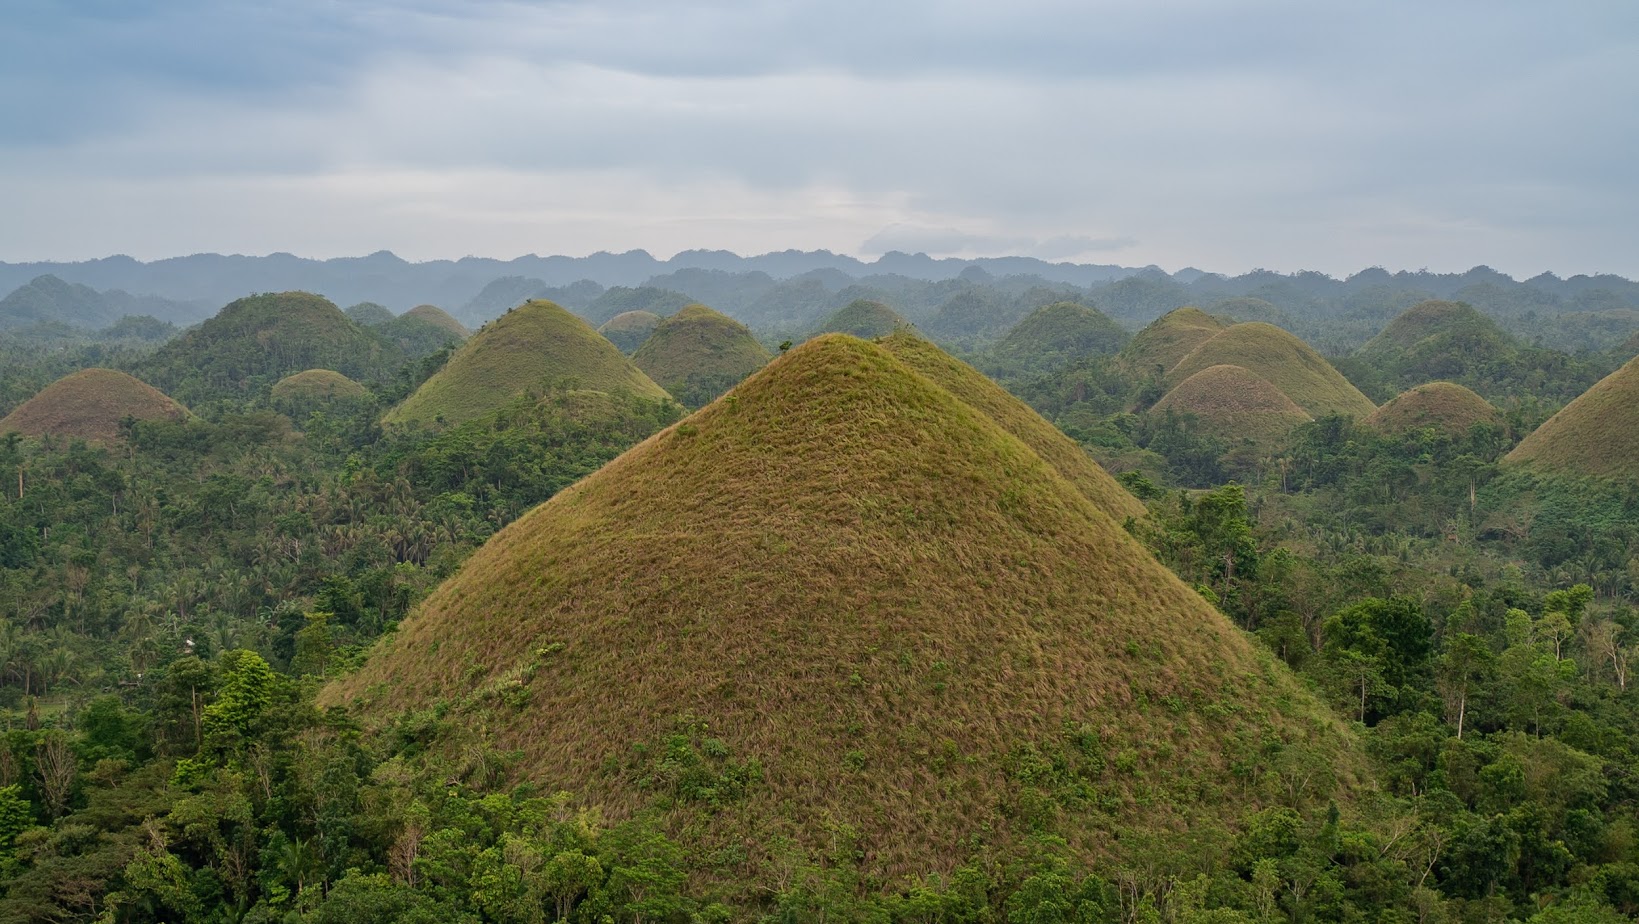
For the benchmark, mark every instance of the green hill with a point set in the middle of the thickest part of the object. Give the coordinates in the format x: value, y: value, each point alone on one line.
x: 370, y: 314
x: 1285, y: 361
x: 629, y: 329
x: 697, y: 354
x: 863, y: 318
x: 1454, y: 342
x: 1055, y: 336
x: 1595, y: 435
x: 1236, y: 407
x: 301, y: 394
x: 844, y: 597
x: 423, y: 331
x: 438, y: 317
x: 1168, y: 339
x: 90, y: 405
x: 531, y: 345
x: 255, y: 341
x: 1448, y: 408
x: 1017, y: 418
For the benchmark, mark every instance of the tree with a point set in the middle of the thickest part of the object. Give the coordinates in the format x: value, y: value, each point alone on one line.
x: 1465, y: 664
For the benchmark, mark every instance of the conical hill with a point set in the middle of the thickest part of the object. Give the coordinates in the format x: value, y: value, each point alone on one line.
x: 531, y: 346
x: 1414, y: 328
x: 1054, y: 336
x: 1235, y: 406
x: 629, y: 329
x: 1285, y: 361
x: 863, y: 318
x: 438, y: 317
x: 305, y: 392
x: 1168, y: 339
x: 1448, y: 408
x: 90, y: 404
x: 1595, y: 435
x: 697, y: 354
x: 842, y: 598
x: 1019, y: 419
x: 423, y: 331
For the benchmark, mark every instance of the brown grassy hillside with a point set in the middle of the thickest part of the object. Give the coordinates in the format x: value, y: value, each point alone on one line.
x: 1285, y: 361
x: 1597, y: 434
x: 1168, y: 339
x: 1235, y: 406
x: 90, y: 404
x: 914, y: 625
x: 1447, y: 407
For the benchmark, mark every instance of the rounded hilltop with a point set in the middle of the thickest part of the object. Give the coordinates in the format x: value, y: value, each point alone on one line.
x: 1235, y: 406
x: 1168, y: 339
x: 535, y: 345
x: 1054, y: 336
x: 1284, y: 361
x: 865, y: 318
x: 439, y: 318
x: 1597, y: 435
x: 629, y: 329
x: 1446, y: 407
x: 91, y: 404
x: 874, y: 601
x: 697, y: 354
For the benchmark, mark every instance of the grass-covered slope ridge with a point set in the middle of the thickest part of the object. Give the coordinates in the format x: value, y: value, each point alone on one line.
x: 887, y: 614
x: 1595, y: 435
x: 1168, y: 339
x: 629, y: 329
x: 697, y: 354
x: 1446, y: 407
x: 90, y: 404
x: 863, y: 317
x: 536, y: 344
x: 1056, y: 335
x: 1235, y: 406
x: 1285, y: 361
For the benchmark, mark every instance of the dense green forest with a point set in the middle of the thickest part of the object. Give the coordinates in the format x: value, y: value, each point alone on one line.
x: 172, y: 603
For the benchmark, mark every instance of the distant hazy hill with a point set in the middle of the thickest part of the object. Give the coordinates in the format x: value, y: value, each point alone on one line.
x: 620, y: 300
x: 47, y: 299
x: 863, y: 318
x: 422, y: 331
x: 629, y: 329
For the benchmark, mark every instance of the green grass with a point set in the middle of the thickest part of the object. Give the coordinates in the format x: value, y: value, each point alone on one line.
x: 438, y: 317
x: 1434, y: 318
x: 1168, y: 339
x: 853, y: 577
x: 1285, y: 361
x: 1448, y: 408
x: 316, y: 387
x: 532, y: 345
x: 697, y: 354
x: 1235, y: 406
x: 90, y: 404
x: 629, y: 329
x: 1596, y: 435
x: 863, y: 318
x: 1056, y: 335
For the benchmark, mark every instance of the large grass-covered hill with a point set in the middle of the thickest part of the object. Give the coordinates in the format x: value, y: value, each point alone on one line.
x: 1168, y: 339
x: 91, y: 404
x: 423, y: 331
x: 697, y: 354
x: 1236, y: 407
x: 1055, y: 336
x: 843, y: 599
x: 1284, y: 361
x: 865, y: 318
x: 1447, y: 408
x: 535, y: 345
x: 1596, y: 435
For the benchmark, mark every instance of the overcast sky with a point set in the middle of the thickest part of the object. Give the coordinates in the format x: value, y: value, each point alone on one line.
x: 1224, y: 135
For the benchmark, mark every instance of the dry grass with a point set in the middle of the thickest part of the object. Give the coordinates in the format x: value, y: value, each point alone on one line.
x: 864, y: 318
x: 1448, y: 408
x: 318, y: 385
x: 1017, y: 418
x: 439, y: 318
x: 1596, y: 435
x: 1285, y: 361
x: 629, y: 329
x: 858, y: 579
x: 1168, y: 339
x: 535, y: 343
x: 90, y: 404
x: 1235, y: 406
x: 700, y: 348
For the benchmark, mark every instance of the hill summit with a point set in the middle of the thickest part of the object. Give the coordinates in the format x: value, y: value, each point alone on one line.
x: 1595, y: 435
x: 90, y: 405
x: 697, y: 354
x: 1169, y: 338
x: 1284, y: 361
x: 863, y: 318
x: 534, y: 345
x: 1448, y: 408
x: 629, y: 329
x: 846, y: 597
x: 1235, y: 406
x: 1056, y: 335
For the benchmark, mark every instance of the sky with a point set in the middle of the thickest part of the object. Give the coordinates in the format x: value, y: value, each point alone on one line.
x: 1228, y: 136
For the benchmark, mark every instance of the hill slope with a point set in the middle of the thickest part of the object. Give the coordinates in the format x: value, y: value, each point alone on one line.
x: 1449, y: 408
x: 697, y: 354
x: 868, y: 605
x: 90, y: 404
x: 1019, y: 419
x: 253, y: 342
x: 1235, y: 406
x: 536, y: 343
x: 629, y: 329
x: 438, y: 317
x: 422, y: 331
x: 863, y: 318
x: 1597, y: 434
x: 1285, y: 361
x: 1169, y: 338
x: 1056, y: 335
